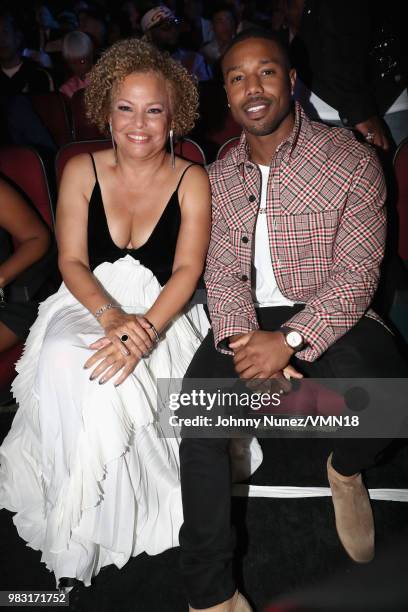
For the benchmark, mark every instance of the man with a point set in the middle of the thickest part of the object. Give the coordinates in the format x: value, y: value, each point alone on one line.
x: 352, y: 62
x: 160, y: 28
x: 17, y: 73
x: 78, y: 54
x: 297, y: 239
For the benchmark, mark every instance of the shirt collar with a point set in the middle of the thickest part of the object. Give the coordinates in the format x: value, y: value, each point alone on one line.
x: 301, y: 132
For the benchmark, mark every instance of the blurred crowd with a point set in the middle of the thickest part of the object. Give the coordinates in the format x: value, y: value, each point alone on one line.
x: 51, y: 46
x: 351, y: 60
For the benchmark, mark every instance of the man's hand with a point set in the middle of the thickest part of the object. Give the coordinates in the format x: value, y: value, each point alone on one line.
x: 373, y: 126
x: 260, y: 354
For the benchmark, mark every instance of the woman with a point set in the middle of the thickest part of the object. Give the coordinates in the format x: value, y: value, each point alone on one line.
x: 19, y: 223
x: 96, y: 483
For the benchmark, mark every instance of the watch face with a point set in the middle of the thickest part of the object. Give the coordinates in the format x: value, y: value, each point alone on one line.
x: 294, y: 339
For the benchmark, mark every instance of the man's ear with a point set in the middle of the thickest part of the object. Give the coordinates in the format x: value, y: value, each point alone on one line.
x: 292, y: 78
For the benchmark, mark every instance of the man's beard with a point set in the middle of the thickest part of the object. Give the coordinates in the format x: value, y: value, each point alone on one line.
x: 266, y: 128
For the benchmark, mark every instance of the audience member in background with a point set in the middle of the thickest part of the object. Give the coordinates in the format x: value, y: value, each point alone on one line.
x: 160, y: 27
x: 48, y: 27
x: 77, y: 51
x: 245, y: 13
x: 353, y: 67
x: 19, y: 224
x: 18, y: 74
x: 195, y: 30
x: 224, y: 27
x: 125, y: 22
x: 92, y: 22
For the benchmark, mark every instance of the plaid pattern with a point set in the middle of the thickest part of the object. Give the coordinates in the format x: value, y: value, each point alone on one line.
x: 326, y: 221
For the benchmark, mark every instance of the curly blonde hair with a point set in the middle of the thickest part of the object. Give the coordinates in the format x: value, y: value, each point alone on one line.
x: 132, y: 55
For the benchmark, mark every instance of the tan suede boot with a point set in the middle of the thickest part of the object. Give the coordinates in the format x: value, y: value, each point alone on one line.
x: 354, y: 517
x: 237, y: 603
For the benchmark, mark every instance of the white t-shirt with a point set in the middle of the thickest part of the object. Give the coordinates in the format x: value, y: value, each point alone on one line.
x: 265, y: 291
x: 10, y: 72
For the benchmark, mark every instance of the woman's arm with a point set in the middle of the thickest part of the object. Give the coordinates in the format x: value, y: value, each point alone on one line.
x: 32, y: 236
x: 72, y: 237
x: 192, y: 246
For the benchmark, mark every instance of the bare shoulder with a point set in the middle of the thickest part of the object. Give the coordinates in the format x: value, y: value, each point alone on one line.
x: 195, y: 177
x: 79, y: 169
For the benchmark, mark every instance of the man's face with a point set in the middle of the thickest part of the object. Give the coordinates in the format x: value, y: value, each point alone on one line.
x: 9, y: 40
x: 259, y: 85
x: 165, y: 34
x: 223, y: 25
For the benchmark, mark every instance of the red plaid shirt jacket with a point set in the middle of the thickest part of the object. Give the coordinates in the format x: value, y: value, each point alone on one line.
x: 326, y: 222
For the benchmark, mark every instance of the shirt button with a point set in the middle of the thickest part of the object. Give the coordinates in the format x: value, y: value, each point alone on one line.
x: 252, y: 198
x: 245, y: 239
x: 244, y: 278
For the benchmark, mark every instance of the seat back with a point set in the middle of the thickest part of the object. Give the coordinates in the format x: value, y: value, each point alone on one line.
x: 227, y: 146
x: 401, y: 174
x: 52, y: 110
x: 24, y: 167
x: 189, y: 149
x: 185, y: 148
x: 82, y: 129
x: 230, y: 129
x: 76, y: 148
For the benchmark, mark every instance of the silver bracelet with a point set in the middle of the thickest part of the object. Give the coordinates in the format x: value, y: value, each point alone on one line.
x: 2, y: 298
x: 103, y: 309
x: 154, y: 330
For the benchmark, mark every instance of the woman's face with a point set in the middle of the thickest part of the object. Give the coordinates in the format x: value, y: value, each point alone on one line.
x: 141, y: 115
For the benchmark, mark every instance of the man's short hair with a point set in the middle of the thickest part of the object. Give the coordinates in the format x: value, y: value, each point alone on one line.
x: 257, y: 32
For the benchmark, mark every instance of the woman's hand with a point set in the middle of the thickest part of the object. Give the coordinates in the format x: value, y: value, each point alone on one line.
x: 110, y: 361
x: 117, y: 323
x: 112, y: 354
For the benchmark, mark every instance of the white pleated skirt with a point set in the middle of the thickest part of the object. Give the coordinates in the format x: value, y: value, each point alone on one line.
x: 84, y: 468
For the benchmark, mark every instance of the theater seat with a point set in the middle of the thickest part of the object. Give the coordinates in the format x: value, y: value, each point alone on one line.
x: 82, y: 129
x: 52, y: 110
x: 186, y: 148
x: 77, y: 148
x: 189, y: 149
x: 24, y: 168
x: 229, y: 144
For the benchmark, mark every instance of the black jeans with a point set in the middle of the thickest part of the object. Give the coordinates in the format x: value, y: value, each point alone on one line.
x: 368, y: 350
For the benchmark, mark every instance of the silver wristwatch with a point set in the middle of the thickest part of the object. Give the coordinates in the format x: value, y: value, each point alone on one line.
x: 293, y: 338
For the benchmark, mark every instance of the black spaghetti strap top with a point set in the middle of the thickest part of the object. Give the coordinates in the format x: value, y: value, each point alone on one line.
x: 156, y: 254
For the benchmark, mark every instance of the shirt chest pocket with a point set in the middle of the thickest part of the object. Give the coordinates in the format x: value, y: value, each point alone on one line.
x: 314, y: 198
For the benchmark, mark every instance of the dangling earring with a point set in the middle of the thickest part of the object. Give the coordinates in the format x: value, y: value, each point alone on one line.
x: 113, y: 143
x: 173, y: 159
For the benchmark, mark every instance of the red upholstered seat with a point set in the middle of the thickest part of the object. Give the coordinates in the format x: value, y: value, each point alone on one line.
x: 401, y: 173
x: 229, y: 144
x: 230, y: 129
x: 52, y: 110
x: 185, y: 148
x: 77, y: 148
x: 24, y: 167
x: 82, y: 129
x: 190, y: 150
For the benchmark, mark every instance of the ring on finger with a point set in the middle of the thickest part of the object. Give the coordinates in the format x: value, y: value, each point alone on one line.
x: 124, y: 338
